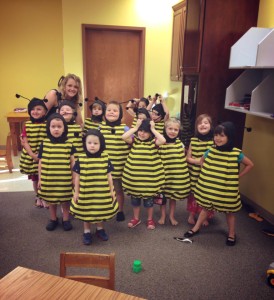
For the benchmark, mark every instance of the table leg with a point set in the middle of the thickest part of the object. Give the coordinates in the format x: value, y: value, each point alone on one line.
x: 13, y: 138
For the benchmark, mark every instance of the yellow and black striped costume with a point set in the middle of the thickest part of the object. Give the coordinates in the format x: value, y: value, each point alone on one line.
x: 134, y: 122
x: 218, y: 185
x: 198, y: 148
x: 89, y: 124
x: 159, y: 126
x: 95, y: 203
x: 75, y: 137
x: 56, y: 174
x: 177, y: 180
x: 143, y: 174
x: 36, y: 133
x: 116, y: 148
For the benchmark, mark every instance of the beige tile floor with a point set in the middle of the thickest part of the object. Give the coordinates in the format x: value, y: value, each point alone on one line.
x: 15, y: 181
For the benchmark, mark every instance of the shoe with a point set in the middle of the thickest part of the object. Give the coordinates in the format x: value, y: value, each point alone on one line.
x: 231, y: 241
x: 133, y: 223
x: 190, y: 233
x: 52, y: 225
x: 101, y: 234
x: 268, y: 232
x: 87, y: 239
x: 120, y: 217
x: 67, y: 225
x: 150, y: 224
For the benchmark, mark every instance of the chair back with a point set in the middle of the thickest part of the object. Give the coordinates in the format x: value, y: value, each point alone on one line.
x: 89, y: 260
x: 6, y: 156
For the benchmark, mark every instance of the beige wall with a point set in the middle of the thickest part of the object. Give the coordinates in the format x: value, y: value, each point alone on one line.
x: 258, y: 185
x: 31, y: 49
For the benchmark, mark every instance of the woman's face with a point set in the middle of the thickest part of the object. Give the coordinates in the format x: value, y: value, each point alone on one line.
x: 92, y: 144
x: 71, y: 89
x: 67, y: 112
x: 56, y: 127
x: 112, y: 112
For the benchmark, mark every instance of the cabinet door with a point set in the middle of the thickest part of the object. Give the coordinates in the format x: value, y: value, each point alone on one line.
x: 179, y: 16
x: 193, y: 36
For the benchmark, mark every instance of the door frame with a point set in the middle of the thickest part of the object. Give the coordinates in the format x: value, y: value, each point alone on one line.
x: 140, y: 30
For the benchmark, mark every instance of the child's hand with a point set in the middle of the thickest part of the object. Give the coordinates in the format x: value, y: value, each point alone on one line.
x: 75, y: 197
x: 39, y: 185
x: 35, y: 157
x: 152, y: 124
x: 138, y: 123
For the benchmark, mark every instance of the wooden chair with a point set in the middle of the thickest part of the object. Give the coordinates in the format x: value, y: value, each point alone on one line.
x: 89, y: 260
x: 5, y: 156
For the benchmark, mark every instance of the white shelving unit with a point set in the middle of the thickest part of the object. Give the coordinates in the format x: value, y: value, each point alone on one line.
x: 254, y: 52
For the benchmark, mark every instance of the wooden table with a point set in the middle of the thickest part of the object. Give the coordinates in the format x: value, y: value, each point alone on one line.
x: 23, y: 283
x: 16, y: 121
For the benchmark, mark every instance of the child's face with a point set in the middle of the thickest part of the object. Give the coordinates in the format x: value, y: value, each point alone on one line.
x: 38, y: 112
x: 172, y: 130
x: 220, y: 139
x: 155, y: 116
x: 67, y: 112
x: 93, y: 144
x: 112, y: 112
x: 204, y: 126
x: 142, y: 116
x: 71, y: 88
x: 142, y: 104
x: 143, y: 135
x: 97, y: 110
x: 56, y: 127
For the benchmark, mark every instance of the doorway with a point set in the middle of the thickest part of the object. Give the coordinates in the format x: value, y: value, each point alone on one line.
x: 113, y: 58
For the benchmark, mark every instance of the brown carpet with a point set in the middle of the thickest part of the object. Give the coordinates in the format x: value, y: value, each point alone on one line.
x: 205, y: 269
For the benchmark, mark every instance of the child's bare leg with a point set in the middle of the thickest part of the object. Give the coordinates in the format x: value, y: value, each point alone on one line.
x: 172, y: 206
x: 202, y: 217
x: 53, y: 211
x: 86, y: 227
x: 150, y: 213
x: 230, y: 219
x: 191, y: 218
x: 65, y: 207
x: 163, y: 215
x: 136, y: 212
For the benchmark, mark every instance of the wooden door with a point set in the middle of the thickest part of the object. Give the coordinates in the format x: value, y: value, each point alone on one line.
x: 113, y: 64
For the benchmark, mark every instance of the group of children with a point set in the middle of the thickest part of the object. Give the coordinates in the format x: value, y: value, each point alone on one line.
x: 87, y: 171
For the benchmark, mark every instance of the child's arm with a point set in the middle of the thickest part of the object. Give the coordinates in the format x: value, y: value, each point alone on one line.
x: 130, y: 107
x: 190, y: 160
x: 76, y: 187
x: 160, y: 140
x: 166, y: 110
x: 127, y: 136
x: 111, y: 186
x: 248, y: 165
x: 27, y: 147
x: 72, y: 163
x: 39, y: 174
x: 150, y: 103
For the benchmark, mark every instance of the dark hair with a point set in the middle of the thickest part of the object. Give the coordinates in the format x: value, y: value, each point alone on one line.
x: 145, y: 126
x: 36, y: 102
x: 145, y: 100
x: 143, y: 111
x: 98, y: 102
x: 159, y: 108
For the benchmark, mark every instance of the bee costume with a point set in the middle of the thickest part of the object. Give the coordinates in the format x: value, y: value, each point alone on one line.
x: 94, y: 122
x: 95, y: 203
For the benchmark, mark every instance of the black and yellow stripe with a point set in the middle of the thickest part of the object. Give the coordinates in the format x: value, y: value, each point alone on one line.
x: 75, y: 137
x: 89, y: 124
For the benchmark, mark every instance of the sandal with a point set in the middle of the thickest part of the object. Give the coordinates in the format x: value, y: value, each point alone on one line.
x: 231, y: 241
x: 190, y: 233
x: 133, y: 223
x: 150, y: 224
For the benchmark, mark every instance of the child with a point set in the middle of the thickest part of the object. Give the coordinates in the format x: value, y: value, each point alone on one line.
x: 55, y: 176
x: 94, y: 199
x: 68, y: 111
x: 160, y: 114
x: 177, y: 182
x: 116, y: 148
x: 202, y: 141
x: 143, y: 175
x: 33, y: 134
x: 97, y: 109
x: 69, y: 88
x: 135, y: 104
x: 218, y: 185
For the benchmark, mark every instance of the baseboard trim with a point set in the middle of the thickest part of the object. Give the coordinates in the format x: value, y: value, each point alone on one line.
x: 260, y: 210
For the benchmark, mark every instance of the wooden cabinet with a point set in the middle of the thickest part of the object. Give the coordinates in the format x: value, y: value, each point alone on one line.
x: 253, y: 52
x: 211, y: 28
x: 179, y: 11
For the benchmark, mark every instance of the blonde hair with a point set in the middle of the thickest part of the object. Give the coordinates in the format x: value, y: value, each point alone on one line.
x: 199, y: 120
x: 79, y: 96
x: 172, y: 120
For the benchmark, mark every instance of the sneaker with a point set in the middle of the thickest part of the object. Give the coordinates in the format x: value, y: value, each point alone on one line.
x: 67, y: 225
x: 52, y: 225
x: 101, y: 234
x: 87, y: 239
x: 120, y: 216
